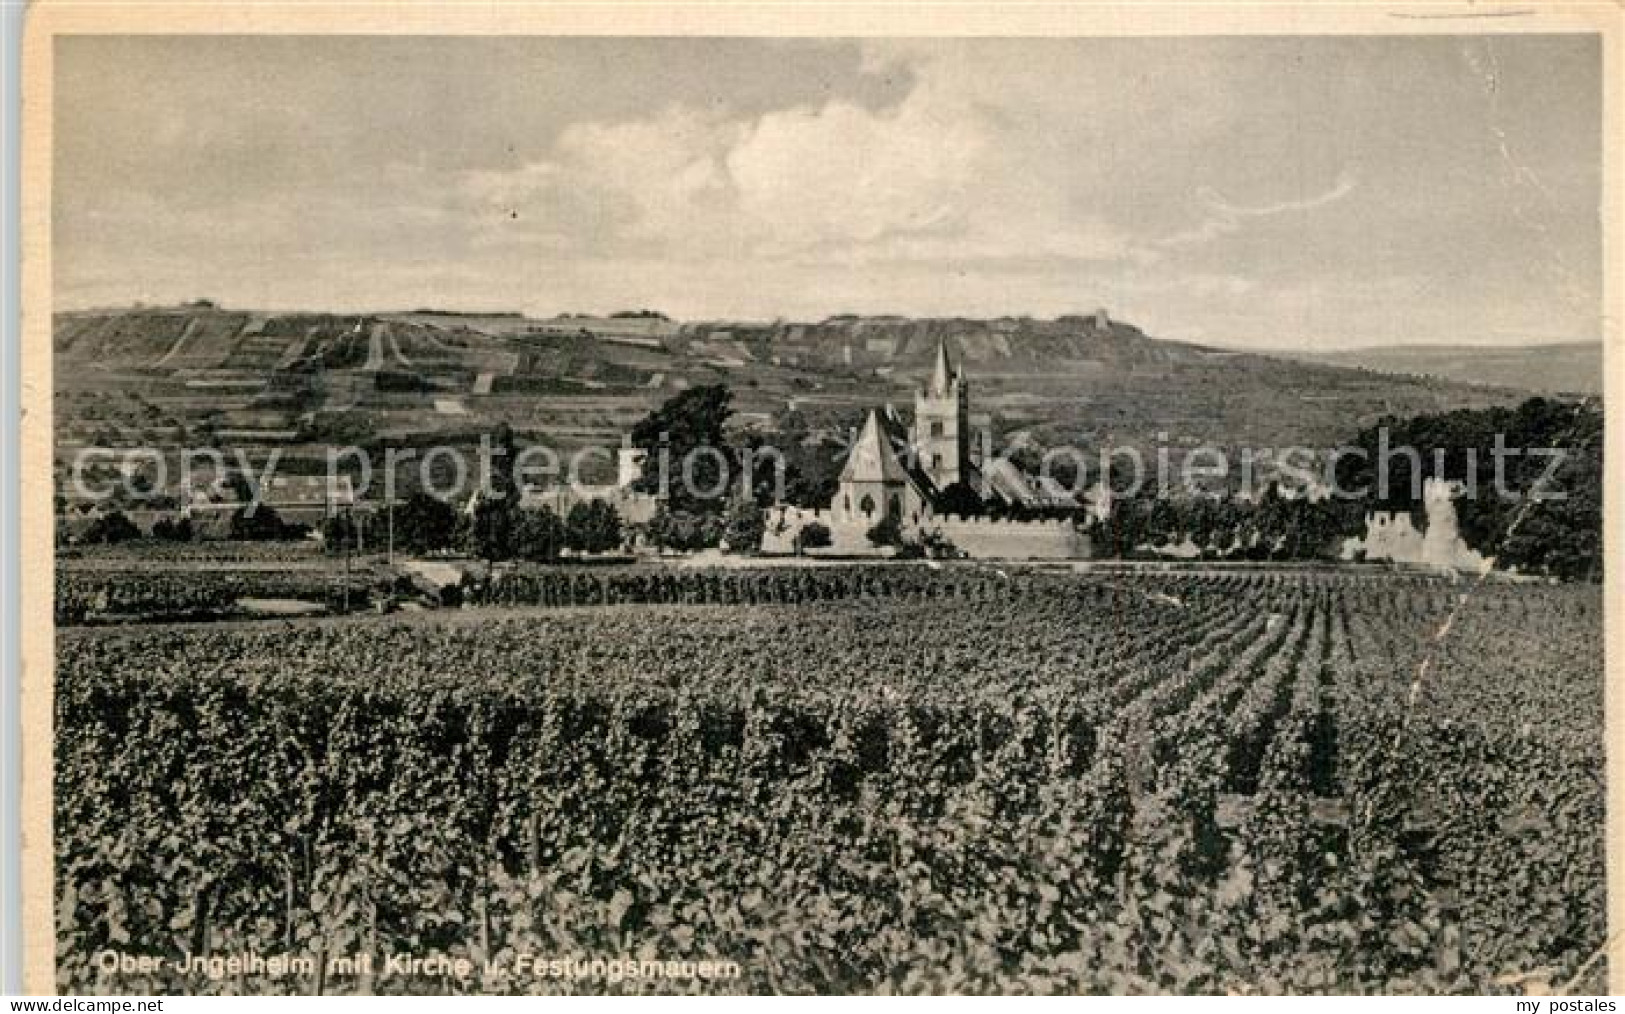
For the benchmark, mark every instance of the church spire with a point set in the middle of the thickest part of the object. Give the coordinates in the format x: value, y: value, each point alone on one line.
x: 942, y: 376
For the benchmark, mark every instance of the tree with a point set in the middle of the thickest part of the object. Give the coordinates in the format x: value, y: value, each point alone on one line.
x: 259, y: 522
x: 1030, y: 458
x: 792, y: 425
x: 340, y: 533
x: 690, y: 429
x: 177, y: 530
x: 538, y: 535
x: 110, y: 528
x: 812, y: 472
x: 1324, y: 524
x: 960, y: 499
x: 774, y: 473
x: 237, y: 487
x: 1163, y: 523
x: 683, y: 531
x: 1128, y: 527
x: 593, y: 527
x: 745, y: 527
x: 489, y: 532
x: 424, y: 523
x: 504, y: 483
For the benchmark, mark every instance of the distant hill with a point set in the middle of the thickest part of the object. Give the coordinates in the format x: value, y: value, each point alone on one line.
x: 304, y: 379
x: 1563, y: 368
x: 1091, y: 381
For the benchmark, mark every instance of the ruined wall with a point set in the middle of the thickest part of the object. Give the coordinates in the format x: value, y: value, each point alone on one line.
x: 1389, y: 535
x: 977, y: 537
x: 1015, y: 540
x: 1392, y: 536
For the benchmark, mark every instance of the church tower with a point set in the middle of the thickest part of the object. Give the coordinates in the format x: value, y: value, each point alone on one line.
x: 941, y: 436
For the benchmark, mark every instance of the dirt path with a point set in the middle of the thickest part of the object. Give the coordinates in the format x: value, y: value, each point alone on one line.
x: 394, y: 346
x: 375, y: 349
x: 175, y: 349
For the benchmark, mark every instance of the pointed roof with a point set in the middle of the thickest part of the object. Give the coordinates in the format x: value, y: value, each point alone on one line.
x: 872, y: 458
x: 942, y: 375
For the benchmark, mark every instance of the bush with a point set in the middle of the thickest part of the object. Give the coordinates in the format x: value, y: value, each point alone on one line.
x: 910, y: 549
x: 177, y: 530
x: 110, y: 528
x: 813, y: 535
x: 888, y: 531
x: 938, y: 546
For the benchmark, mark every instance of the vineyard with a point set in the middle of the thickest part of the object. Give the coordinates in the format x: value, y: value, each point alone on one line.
x: 915, y: 782
x: 148, y: 594
x: 133, y: 593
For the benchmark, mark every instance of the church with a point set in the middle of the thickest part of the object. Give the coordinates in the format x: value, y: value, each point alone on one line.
x: 910, y: 472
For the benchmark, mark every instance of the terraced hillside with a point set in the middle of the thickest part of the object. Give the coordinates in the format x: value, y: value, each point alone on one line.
x: 1085, y: 381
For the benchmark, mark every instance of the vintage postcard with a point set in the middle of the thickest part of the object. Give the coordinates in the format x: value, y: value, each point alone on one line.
x: 794, y: 499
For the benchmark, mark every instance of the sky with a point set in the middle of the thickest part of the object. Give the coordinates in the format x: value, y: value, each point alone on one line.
x: 1318, y: 192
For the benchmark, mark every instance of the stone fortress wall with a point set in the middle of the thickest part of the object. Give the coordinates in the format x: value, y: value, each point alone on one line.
x: 981, y: 538
x: 1393, y: 536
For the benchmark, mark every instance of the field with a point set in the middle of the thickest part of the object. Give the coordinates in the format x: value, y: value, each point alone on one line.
x: 930, y: 781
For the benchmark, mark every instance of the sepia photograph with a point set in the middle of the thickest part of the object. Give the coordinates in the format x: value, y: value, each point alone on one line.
x: 823, y: 507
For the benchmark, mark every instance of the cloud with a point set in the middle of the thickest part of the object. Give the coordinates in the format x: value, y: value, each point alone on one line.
x: 1225, y: 217
x: 942, y: 175
x: 841, y: 174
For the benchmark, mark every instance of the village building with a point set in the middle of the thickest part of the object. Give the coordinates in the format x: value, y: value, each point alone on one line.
x: 908, y: 471
x: 928, y: 476
x: 632, y: 506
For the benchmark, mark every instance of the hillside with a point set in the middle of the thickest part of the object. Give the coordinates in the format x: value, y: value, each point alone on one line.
x: 302, y: 380
x: 1559, y: 368
x: 1090, y: 381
